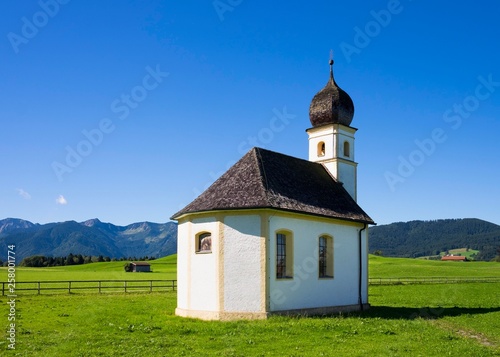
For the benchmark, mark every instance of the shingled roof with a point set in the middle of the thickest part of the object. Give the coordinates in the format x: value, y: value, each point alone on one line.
x: 267, y: 179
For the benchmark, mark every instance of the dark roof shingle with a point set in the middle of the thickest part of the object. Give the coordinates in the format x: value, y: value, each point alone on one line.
x: 266, y: 179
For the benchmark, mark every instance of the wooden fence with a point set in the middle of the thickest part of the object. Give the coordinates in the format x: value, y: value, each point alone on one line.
x: 433, y: 280
x: 100, y: 286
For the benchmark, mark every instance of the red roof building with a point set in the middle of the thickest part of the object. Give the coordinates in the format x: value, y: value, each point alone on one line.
x: 457, y: 258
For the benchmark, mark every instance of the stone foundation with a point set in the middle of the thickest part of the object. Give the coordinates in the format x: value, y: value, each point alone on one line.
x: 231, y: 316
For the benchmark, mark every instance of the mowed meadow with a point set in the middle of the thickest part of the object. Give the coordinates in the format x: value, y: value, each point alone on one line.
x: 415, y: 320
x: 162, y: 269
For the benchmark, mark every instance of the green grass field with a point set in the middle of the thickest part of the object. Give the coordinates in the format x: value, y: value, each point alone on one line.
x: 405, y: 320
x: 381, y: 267
x: 470, y: 254
x: 463, y: 252
x: 163, y: 268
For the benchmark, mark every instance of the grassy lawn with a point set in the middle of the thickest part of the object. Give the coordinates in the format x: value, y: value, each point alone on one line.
x: 163, y: 268
x: 470, y: 254
x: 425, y: 320
x: 404, y: 320
x: 463, y: 252
x: 381, y: 267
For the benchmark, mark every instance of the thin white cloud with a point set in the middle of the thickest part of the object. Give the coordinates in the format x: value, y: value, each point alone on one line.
x: 23, y: 194
x: 61, y: 200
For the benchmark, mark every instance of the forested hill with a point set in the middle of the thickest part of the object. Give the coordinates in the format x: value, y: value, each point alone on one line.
x: 423, y: 238
x: 91, y: 238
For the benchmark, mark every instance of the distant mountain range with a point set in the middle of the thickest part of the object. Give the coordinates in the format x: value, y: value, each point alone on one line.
x: 423, y: 238
x: 91, y: 237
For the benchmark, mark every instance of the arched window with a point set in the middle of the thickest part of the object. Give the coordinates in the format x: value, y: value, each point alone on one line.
x: 204, y: 242
x: 284, y: 255
x: 321, y: 149
x: 325, y: 257
x: 346, y: 149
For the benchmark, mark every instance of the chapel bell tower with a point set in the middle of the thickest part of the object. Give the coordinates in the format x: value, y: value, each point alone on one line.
x: 331, y: 138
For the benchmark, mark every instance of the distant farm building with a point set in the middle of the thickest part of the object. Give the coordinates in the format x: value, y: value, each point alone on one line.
x: 137, y: 267
x: 457, y: 258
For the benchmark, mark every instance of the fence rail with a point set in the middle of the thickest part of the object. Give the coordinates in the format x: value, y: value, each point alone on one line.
x: 100, y: 286
x: 38, y: 287
x: 433, y: 280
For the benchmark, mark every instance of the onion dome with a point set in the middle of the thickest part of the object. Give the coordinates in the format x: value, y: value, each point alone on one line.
x: 331, y: 105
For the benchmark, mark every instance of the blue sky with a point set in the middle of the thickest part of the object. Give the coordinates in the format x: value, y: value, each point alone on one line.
x: 126, y: 111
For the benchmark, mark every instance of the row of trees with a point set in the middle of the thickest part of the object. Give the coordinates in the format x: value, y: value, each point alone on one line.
x: 39, y: 261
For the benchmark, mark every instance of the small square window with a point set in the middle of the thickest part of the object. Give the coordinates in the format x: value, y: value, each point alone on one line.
x: 204, y: 243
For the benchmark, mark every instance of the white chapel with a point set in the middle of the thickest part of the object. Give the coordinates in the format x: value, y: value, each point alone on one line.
x: 280, y: 235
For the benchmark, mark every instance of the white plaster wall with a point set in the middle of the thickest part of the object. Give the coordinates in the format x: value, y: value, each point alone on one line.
x: 182, y: 265
x: 366, y: 267
x: 306, y: 290
x: 332, y: 168
x: 203, y: 272
x: 242, y: 264
x: 347, y: 175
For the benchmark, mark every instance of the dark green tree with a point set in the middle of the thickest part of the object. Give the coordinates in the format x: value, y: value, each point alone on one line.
x: 70, y: 259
